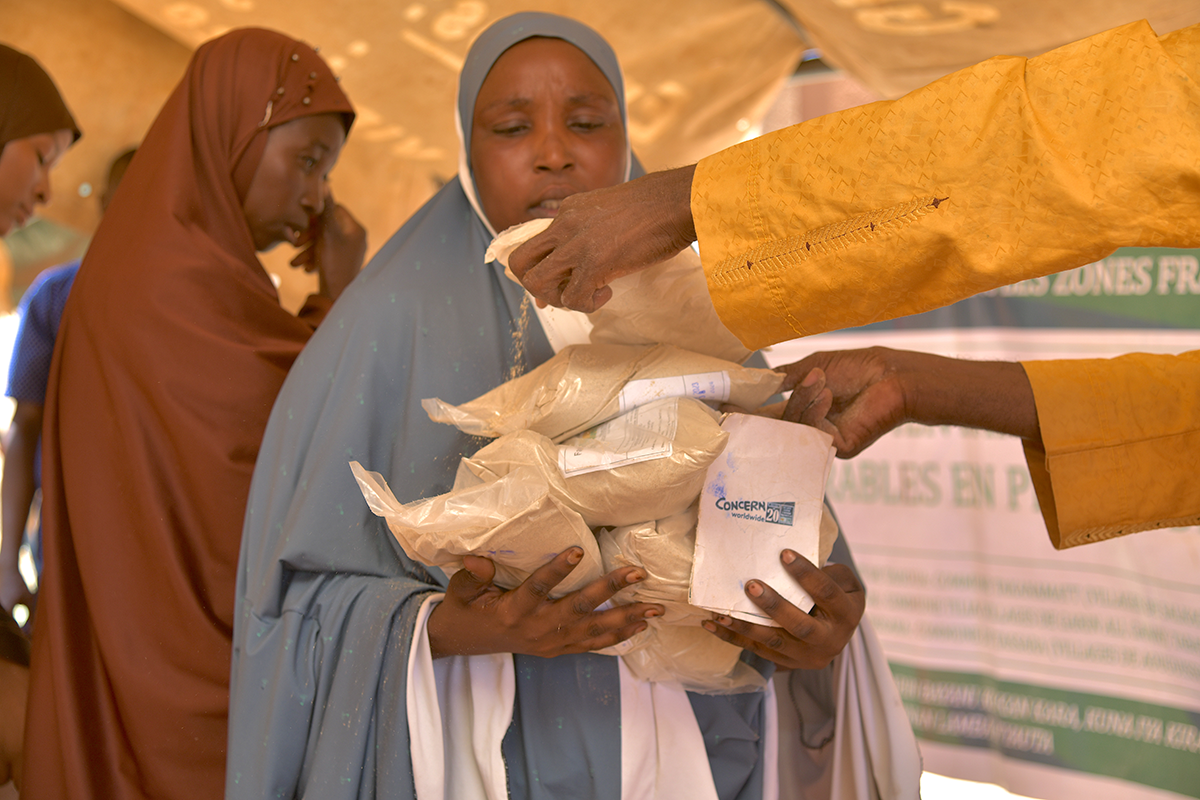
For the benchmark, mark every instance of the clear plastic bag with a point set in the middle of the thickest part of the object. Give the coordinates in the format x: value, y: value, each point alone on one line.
x: 513, y: 520
x: 585, y: 385
x: 673, y: 647
x: 646, y: 464
x: 668, y: 303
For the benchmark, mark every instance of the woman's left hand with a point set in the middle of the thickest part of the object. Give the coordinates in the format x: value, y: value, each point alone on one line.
x: 806, y: 641
x: 334, y: 246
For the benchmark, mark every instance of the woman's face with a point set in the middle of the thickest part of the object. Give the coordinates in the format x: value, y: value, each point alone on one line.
x: 25, y: 166
x: 291, y: 181
x: 546, y: 126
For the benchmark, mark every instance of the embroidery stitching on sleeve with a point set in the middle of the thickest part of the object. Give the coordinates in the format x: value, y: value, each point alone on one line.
x: 779, y: 255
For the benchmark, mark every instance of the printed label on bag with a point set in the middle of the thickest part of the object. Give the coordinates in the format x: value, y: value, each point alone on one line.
x: 643, y: 434
x: 777, y: 513
x: 712, y: 386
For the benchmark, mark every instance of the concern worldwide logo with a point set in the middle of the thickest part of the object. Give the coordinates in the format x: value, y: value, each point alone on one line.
x: 758, y: 510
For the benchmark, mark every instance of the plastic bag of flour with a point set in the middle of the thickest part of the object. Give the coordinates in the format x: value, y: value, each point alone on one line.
x: 673, y: 647
x: 585, y: 385
x: 668, y: 303
x: 646, y: 464
x: 513, y: 520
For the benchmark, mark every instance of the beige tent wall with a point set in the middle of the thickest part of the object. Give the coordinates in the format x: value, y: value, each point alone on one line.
x: 115, y: 72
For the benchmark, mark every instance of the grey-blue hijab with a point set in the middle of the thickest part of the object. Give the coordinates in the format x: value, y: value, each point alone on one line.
x: 327, y: 601
x: 492, y: 44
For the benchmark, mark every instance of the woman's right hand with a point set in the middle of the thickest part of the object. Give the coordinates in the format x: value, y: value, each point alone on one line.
x: 334, y: 246
x: 478, y: 617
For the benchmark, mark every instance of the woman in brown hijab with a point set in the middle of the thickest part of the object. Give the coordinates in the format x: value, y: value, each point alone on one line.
x: 171, y: 351
x: 35, y: 130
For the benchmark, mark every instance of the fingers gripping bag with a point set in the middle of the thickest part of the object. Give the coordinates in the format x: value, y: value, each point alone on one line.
x: 674, y: 647
x: 667, y: 303
x: 764, y: 494
x: 513, y: 520
x: 585, y: 385
x: 646, y: 464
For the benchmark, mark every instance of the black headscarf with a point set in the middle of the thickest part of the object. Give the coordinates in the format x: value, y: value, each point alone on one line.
x: 29, y: 101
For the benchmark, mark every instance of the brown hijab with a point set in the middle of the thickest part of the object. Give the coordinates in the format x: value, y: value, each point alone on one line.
x: 29, y: 101
x: 170, y: 353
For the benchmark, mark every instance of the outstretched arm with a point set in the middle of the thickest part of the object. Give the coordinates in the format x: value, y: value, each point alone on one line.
x: 902, y: 206
x: 859, y: 395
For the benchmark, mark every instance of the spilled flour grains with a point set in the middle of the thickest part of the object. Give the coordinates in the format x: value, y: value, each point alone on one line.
x: 518, y: 339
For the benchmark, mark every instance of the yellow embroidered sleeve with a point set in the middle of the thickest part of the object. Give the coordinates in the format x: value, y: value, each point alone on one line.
x: 1010, y: 169
x: 1121, y: 445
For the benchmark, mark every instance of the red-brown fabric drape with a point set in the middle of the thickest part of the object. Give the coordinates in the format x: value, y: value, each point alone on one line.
x: 171, y: 351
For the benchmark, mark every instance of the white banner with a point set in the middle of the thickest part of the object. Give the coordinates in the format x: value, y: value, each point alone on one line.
x: 1056, y: 674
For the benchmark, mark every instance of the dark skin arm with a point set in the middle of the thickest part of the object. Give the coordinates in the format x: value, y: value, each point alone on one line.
x: 604, y: 234
x: 859, y: 395
x: 16, y: 495
x: 806, y: 641
x: 478, y: 617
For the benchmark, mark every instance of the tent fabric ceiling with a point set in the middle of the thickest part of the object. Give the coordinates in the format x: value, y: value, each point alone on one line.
x: 895, y: 46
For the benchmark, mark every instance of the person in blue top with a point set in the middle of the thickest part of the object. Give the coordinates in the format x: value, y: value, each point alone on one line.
x: 40, y: 310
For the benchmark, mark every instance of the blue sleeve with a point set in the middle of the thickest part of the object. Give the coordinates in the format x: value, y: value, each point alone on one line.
x: 41, y: 311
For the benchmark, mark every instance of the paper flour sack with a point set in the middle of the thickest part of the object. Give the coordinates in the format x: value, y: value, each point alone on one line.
x: 764, y: 494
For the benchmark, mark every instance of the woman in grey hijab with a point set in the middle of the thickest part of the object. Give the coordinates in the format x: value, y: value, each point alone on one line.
x: 329, y: 608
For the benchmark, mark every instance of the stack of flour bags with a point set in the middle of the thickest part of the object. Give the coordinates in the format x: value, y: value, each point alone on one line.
x: 611, y: 447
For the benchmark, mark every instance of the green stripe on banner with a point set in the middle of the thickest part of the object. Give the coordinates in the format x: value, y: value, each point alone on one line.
x: 1135, y: 287
x: 1151, y: 285
x: 1144, y: 743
